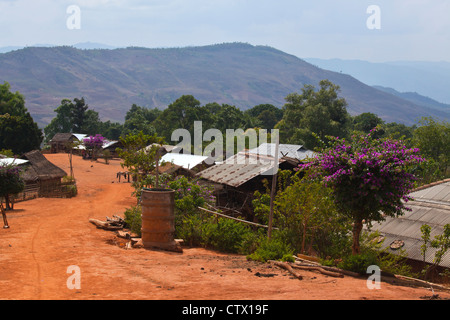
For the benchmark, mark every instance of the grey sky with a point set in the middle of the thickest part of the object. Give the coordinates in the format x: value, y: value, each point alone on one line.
x: 410, y: 29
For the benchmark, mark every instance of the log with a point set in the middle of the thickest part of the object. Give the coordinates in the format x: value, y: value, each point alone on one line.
x: 320, y: 269
x: 287, y: 267
x: 309, y: 258
x: 123, y: 234
x: 104, y: 225
x: 332, y: 269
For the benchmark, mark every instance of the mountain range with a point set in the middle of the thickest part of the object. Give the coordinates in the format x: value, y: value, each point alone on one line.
x: 244, y: 75
x: 428, y: 78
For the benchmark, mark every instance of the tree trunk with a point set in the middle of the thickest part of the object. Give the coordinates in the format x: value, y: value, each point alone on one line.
x: 8, y: 202
x: 357, y: 227
x: 5, y: 221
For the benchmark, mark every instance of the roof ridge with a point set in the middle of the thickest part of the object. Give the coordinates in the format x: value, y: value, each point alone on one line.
x: 426, y: 186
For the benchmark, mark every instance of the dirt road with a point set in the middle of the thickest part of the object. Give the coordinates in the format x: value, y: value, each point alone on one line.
x: 48, y: 236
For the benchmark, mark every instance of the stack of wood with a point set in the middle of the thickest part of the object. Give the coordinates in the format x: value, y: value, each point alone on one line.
x: 309, y: 263
x: 111, y: 224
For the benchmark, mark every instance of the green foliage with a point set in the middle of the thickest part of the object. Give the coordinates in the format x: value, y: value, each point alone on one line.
x: 133, y: 219
x: 140, y: 119
x: 138, y: 158
x: 191, y: 227
x: 18, y: 131
x: 7, y: 152
x: 75, y: 116
x: 433, y: 139
x: 11, y: 182
x: 368, y: 176
x: 314, y: 114
x: 441, y: 243
x: 359, y: 262
x: 311, y: 220
x: 274, y: 248
x: 225, y: 235
x: 367, y: 121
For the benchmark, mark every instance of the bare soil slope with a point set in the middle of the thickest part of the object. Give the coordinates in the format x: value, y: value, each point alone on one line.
x: 46, y: 236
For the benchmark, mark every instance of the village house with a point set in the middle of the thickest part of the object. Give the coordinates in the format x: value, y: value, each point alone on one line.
x: 63, y: 142
x: 431, y: 206
x: 42, y: 175
x: 237, y: 178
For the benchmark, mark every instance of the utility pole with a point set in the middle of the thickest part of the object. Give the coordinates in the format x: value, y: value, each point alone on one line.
x: 274, y: 184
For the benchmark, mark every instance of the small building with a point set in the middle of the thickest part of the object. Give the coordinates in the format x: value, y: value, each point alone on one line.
x: 194, y: 163
x: 43, y: 174
x: 111, y: 146
x: 431, y: 206
x: 237, y: 178
x: 63, y: 142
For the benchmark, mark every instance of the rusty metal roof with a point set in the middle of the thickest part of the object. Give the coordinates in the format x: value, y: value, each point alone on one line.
x: 238, y: 169
x: 431, y: 206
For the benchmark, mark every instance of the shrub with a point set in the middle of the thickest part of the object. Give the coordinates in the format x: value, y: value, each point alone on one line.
x: 133, y: 219
x: 190, y: 229
x: 271, y: 249
x: 226, y: 235
x: 359, y: 262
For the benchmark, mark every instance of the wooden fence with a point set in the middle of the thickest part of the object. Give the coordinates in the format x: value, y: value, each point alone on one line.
x: 57, y: 190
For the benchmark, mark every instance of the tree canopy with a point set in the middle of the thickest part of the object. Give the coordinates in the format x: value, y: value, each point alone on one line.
x: 370, y: 178
x: 18, y: 131
x: 311, y: 116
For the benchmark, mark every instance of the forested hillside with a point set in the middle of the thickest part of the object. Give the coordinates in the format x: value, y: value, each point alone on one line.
x: 237, y: 74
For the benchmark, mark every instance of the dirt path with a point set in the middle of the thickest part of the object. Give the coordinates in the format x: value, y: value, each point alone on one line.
x: 47, y: 236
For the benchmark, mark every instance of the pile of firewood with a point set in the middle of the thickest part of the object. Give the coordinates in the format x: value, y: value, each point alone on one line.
x: 112, y: 224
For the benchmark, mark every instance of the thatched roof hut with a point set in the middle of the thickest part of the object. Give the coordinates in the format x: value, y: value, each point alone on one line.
x: 40, y: 169
x: 61, y: 142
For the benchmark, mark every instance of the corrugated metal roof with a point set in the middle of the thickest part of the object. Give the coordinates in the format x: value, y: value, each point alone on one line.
x: 438, y: 193
x: 12, y: 161
x: 187, y: 161
x: 284, y: 150
x: 238, y: 169
x: 431, y: 206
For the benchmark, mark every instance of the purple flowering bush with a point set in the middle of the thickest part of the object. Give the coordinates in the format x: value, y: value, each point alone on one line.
x: 94, y: 143
x: 370, y: 178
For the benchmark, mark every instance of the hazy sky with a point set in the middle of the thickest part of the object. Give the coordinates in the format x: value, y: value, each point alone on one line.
x: 408, y: 29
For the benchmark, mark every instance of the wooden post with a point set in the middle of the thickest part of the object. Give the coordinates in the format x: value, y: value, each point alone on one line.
x: 274, y: 186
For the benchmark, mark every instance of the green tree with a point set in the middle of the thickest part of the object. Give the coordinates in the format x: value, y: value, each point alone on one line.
x: 441, y: 243
x: 62, y: 122
x: 267, y: 115
x: 18, y: 131
x: 139, y: 157
x: 140, y: 119
x: 398, y: 131
x: 10, y: 183
x: 366, y: 121
x: 180, y: 114
x: 314, y: 115
x: 78, y: 114
x: 433, y: 139
x: 370, y: 178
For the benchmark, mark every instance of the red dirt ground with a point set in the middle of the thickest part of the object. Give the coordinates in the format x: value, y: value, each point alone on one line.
x: 46, y: 236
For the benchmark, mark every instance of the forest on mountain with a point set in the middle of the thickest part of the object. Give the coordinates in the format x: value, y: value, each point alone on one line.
x: 308, y: 118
